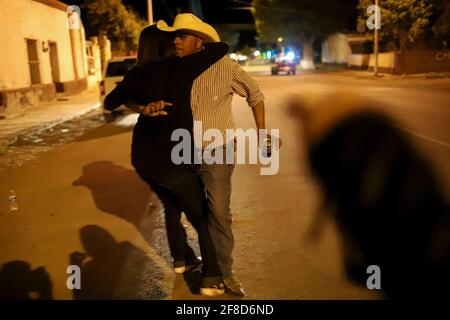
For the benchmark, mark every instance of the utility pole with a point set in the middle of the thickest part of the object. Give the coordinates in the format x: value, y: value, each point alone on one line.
x: 377, y: 19
x: 149, y: 12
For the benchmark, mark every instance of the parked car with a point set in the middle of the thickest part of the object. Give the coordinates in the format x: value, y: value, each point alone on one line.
x: 284, y: 64
x: 114, y: 72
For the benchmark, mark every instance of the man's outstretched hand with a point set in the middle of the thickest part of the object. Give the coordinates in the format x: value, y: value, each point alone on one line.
x: 155, y: 109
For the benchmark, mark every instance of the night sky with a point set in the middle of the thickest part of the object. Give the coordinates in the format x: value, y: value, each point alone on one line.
x: 215, y: 12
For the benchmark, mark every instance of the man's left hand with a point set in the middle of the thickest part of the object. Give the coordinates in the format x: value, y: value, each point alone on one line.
x: 273, y: 141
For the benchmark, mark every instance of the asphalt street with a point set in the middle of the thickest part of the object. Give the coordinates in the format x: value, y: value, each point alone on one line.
x: 82, y: 202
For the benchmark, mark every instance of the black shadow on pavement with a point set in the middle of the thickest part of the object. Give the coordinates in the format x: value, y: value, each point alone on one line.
x: 19, y: 282
x: 115, y: 270
x: 116, y: 190
x: 120, y: 192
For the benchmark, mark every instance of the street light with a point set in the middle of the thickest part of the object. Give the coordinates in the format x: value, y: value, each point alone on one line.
x: 280, y: 39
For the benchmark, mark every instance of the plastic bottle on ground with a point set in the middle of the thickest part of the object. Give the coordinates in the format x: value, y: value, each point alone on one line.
x: 13, y: 206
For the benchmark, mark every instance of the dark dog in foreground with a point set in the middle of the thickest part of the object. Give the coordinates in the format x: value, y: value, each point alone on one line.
x: 387, y: 204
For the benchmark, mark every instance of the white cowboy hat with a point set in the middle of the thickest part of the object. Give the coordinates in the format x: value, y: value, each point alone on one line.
x: 189, y: 22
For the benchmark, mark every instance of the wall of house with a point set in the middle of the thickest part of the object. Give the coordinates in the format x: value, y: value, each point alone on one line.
x: 423, y: 62
x: 412, y: 62
x: 358, y: 61
x: 386, y: 62
x: 27, y: 19
x: 95, y: 67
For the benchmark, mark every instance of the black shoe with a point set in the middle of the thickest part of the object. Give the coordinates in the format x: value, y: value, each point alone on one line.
x: 191, y: 265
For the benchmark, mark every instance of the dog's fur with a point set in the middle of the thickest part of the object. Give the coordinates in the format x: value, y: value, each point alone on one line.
x: 389, y: 209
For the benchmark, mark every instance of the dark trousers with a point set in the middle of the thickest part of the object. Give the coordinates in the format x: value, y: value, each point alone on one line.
x: 182, y: 190
x: 216, y: 179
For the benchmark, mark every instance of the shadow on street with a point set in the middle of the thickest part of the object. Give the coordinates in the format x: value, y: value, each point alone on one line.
x: 120, y: 192
x: 114, y: 270
x: 19, y: 282
x: 116, y: 190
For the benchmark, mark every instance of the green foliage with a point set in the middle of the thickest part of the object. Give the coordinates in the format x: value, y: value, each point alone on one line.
x: 441, y: 29
x: 111, y: 18
x: 408, y: 23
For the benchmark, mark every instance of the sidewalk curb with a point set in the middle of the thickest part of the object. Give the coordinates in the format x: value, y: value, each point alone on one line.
x: 7, y: 140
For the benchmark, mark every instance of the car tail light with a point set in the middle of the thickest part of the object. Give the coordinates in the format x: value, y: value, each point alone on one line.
x: 101, y: 86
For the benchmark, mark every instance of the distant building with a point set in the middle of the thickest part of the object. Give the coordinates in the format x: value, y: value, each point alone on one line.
x: 356, y: 52
x: 43, y: 53
x: 339, y: 47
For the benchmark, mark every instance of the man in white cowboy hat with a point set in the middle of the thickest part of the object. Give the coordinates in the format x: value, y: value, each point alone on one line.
x: 192, y: 24
x: 211, y: 98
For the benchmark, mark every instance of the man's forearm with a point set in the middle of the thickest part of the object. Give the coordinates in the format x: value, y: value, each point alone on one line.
x: 258, y: 114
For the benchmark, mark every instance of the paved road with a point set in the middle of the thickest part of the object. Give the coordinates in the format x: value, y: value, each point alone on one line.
x: 85, y: 197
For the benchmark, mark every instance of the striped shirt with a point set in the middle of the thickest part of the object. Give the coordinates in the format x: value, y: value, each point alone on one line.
x: 212, y: 94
